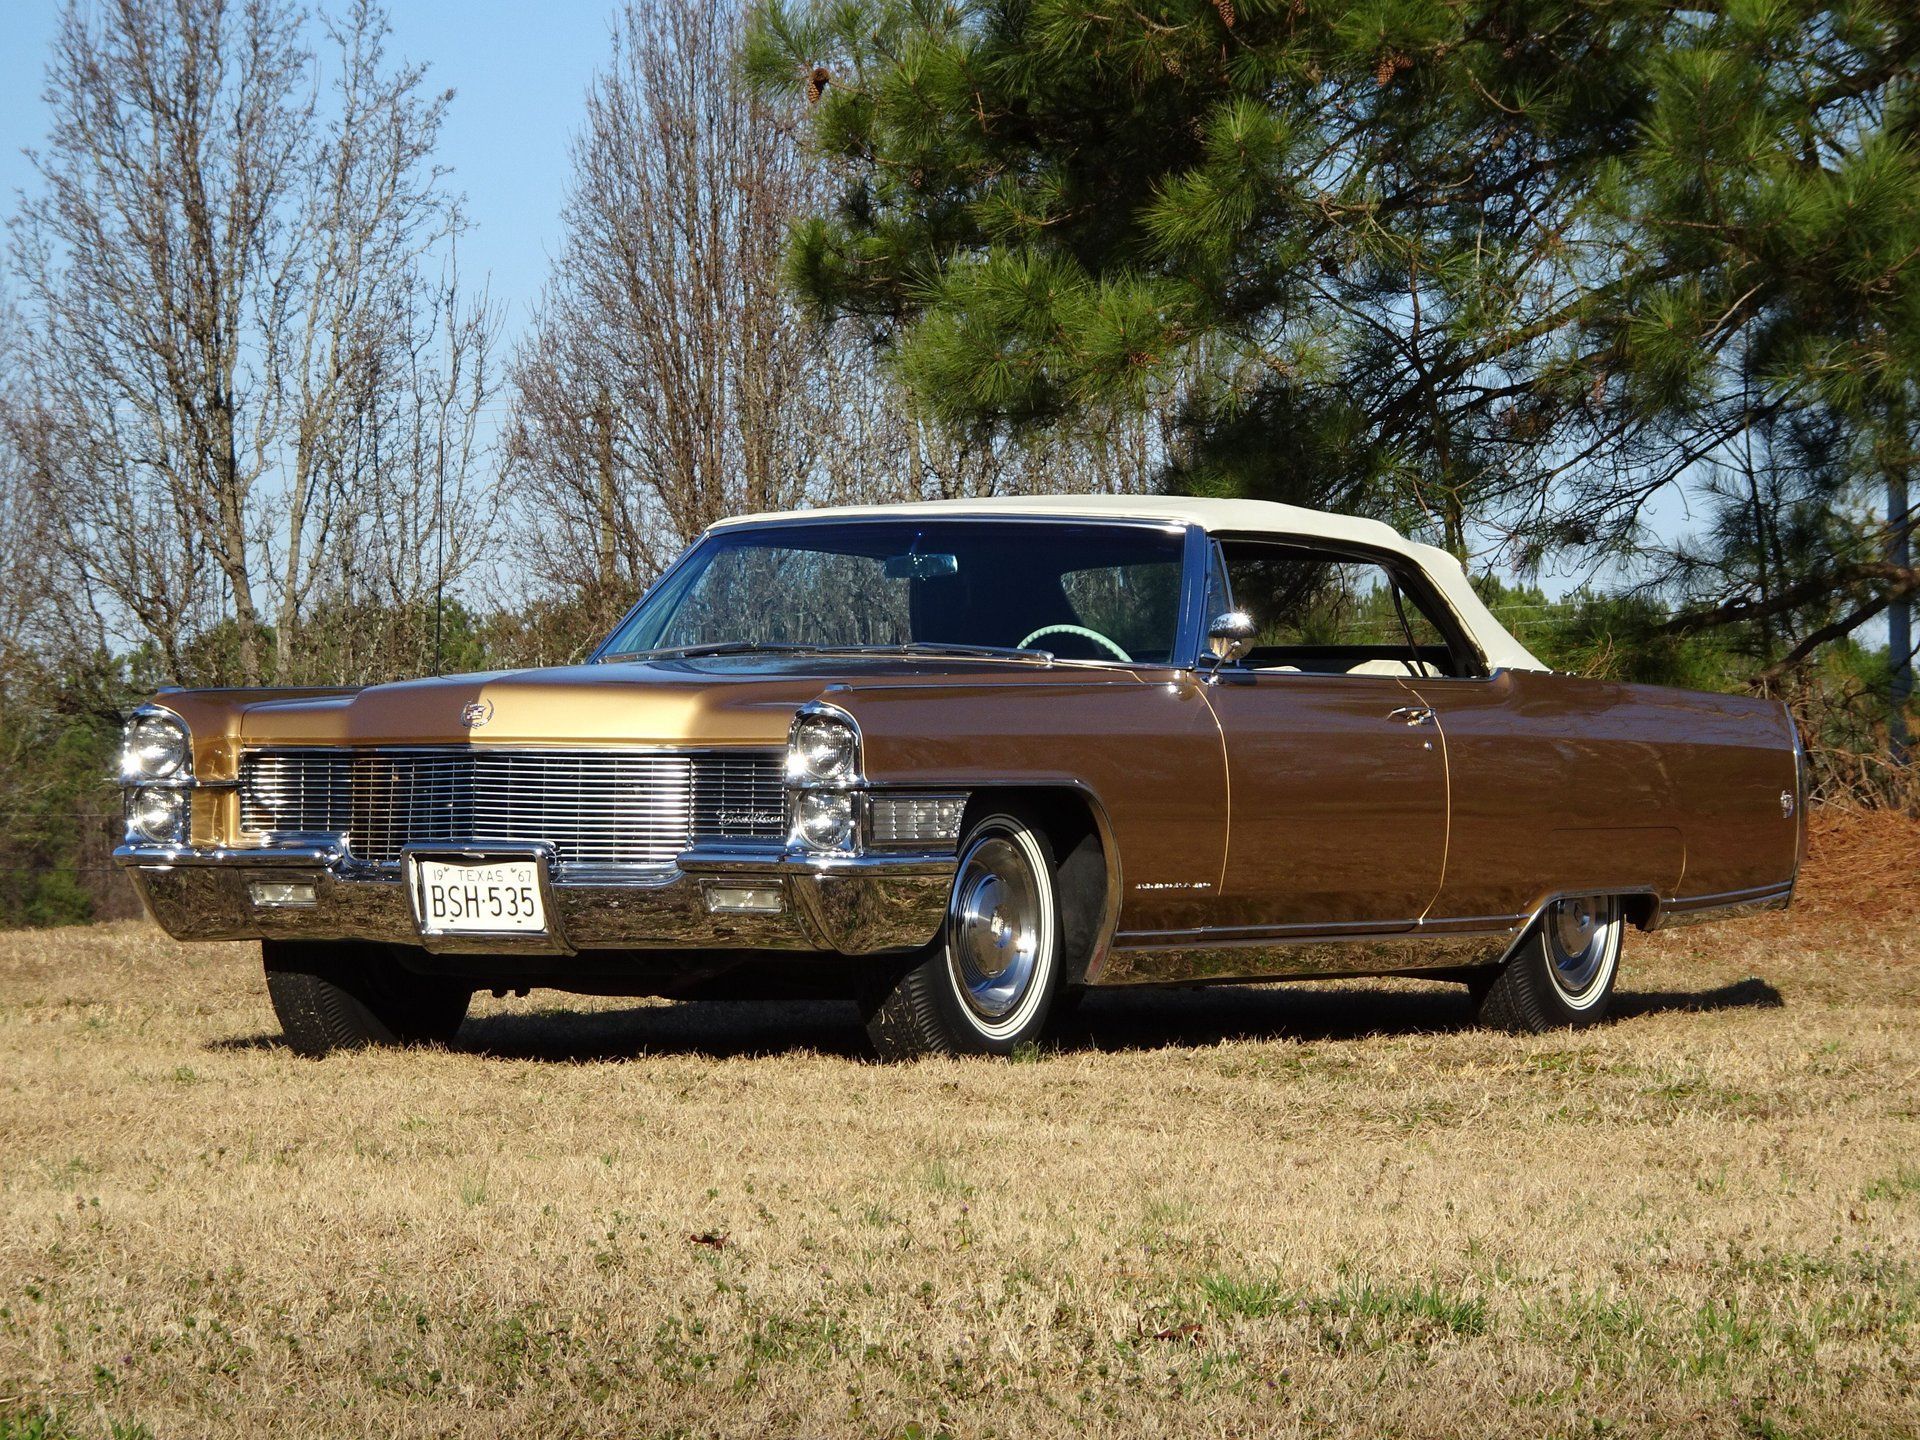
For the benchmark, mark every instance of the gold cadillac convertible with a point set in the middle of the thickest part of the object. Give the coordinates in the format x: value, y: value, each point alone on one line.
x: 961, y: 762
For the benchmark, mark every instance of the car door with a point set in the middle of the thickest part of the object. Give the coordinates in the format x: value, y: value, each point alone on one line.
x: 1337, y: 780
x: 1338, y: 801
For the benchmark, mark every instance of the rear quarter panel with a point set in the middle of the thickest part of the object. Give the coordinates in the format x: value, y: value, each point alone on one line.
x: 1562, y: 783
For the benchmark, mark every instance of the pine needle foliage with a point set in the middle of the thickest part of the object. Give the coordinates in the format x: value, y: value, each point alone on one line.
x: 1353, y: 245
x: 1472, y: 265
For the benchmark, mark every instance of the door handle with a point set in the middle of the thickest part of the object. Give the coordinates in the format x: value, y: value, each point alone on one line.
x: 1412, y: 715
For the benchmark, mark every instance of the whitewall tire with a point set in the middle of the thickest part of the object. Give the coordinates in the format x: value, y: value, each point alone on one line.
x: 984, y: 987
x: 1562, y: 973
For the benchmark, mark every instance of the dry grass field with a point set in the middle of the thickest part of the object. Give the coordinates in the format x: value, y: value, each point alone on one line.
x: 1277, y: 1211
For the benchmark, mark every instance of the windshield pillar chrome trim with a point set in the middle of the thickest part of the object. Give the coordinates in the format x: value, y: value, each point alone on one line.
x: 663, y: 578
x: 1190, y: 638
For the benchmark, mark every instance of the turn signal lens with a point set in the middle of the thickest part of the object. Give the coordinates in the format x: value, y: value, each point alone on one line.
x: 157, y: 814
x: 823, y: 750
x: 154, y: 747
x: 823, y: 820
x: 745, y: 900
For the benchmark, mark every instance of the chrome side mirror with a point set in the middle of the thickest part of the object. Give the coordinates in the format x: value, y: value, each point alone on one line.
x: 1229, y: 637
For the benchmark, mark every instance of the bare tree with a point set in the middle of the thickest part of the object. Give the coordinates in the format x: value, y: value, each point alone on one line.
x: 651, y: 393
x: 669, y: 379
x: 23, y: 552
x: 227, y: 275
x: 416, y: 459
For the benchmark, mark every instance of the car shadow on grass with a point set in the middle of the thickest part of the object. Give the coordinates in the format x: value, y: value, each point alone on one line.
x: 1752, y: 993
x: 717, y: 1029
x: 1105, y: 1021
x: 1153, y: 1020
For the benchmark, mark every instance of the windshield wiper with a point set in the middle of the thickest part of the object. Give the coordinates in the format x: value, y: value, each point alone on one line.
x: 954, y: 647
x: 712, y: 647
x: 909, y: 648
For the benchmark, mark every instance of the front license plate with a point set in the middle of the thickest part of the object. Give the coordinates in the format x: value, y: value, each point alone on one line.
x: 496, y: 897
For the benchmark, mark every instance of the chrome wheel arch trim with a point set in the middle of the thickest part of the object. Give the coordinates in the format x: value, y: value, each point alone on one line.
x: 1107, y: 929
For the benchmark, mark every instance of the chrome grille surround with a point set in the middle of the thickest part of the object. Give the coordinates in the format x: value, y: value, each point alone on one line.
x: 596, y: 808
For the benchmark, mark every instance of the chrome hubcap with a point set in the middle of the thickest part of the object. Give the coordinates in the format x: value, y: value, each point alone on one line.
x: 1580, y: 933
x: 998, y: 927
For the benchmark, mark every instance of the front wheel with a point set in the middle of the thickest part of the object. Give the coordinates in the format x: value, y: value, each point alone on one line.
x: 985, y: 985
x: 1562, y: 974
x: 346, y: 995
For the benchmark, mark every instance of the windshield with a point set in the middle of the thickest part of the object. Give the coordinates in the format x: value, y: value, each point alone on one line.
x: 1078, y: 591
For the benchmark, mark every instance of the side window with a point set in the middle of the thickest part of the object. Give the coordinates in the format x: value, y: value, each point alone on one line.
x: 1322, y: 612
x: 1219, y: 587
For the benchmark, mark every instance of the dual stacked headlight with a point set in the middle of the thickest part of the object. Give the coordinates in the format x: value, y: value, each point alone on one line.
x: 823, y: 779
x: 156, y: 769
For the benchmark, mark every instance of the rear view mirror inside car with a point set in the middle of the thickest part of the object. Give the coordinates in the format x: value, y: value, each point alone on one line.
x: 915, y: 565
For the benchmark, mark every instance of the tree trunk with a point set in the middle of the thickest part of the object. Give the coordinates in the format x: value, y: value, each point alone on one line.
x: 230, y: 491
x: 608, y: 558
x: 1899, y: 617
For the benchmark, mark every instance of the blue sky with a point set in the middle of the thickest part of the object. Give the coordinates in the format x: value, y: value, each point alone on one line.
x: 519, y: 72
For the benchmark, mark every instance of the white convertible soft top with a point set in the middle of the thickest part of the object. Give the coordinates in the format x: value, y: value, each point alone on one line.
x: 1236, y: 517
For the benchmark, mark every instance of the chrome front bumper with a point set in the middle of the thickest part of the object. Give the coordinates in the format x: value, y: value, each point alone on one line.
x: 870, y: 904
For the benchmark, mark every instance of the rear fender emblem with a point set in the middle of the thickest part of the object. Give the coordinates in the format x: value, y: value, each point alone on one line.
x: 1786, y: 803
x: 476, y: 713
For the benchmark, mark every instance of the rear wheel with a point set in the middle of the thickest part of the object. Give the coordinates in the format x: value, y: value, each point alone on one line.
x: 985, y: 986
x: 346, y: 995
x: 1562, y: 974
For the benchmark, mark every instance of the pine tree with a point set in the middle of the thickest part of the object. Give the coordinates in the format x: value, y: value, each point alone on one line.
x: 1357, y: 244
x: 1490, y: 270
x: 1772, y: 218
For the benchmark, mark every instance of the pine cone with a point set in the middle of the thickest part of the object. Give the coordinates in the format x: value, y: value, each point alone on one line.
x: 817, y: 84
x: 1225, y: 7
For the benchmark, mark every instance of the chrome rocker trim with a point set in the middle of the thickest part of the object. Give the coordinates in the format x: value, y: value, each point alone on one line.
x: 1322, y: 952
x: 1442, y: 945
x: 1729, y: 905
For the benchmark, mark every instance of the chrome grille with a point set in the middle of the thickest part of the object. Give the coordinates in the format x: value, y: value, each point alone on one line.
x: 595, y: 807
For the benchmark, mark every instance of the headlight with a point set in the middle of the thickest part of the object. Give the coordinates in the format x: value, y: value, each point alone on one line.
x: 155, y: 747
x: 822, y: 750
x: 157, y: 814
x: 823, y: 819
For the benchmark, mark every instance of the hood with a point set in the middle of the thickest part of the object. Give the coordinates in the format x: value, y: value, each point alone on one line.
x: 721, y: 700
x: 583, y: 704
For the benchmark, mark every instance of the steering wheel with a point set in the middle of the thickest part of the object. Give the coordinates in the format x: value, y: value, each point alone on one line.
x: 1084, y: 633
